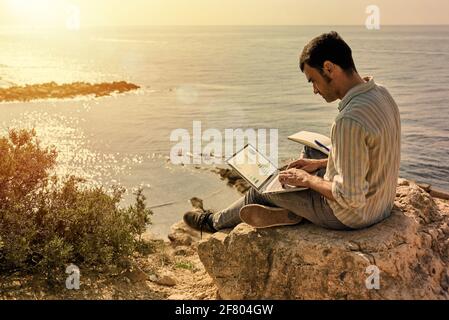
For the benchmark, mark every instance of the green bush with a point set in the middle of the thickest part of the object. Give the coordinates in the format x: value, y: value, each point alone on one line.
x: 47, y: 223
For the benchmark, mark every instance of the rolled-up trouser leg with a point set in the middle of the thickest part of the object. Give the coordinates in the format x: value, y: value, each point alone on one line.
x: 230, y: 217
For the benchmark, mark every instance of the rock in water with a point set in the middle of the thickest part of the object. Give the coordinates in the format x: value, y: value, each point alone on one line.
x: 197, y: 203
x: 410, y: 250
x: 52, y: 90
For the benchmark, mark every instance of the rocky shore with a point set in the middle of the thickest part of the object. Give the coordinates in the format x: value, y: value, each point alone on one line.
x: 410, y: 249
x: 52, y: 90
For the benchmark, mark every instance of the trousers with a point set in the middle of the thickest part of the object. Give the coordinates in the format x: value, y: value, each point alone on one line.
x: 309, y: 204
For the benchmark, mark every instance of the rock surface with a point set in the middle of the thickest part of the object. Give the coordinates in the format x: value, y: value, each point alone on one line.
x: 182, y: 236
x: 53, y: 90
x: 165, y: 279
x: 233, y: 179
x: 410, y: 249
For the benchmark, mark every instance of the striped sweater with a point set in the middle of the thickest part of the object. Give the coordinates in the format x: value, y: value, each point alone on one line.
x: 364, y: 162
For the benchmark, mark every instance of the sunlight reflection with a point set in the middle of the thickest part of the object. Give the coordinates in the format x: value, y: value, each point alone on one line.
x: 187, y: 94
x: 75, y: 157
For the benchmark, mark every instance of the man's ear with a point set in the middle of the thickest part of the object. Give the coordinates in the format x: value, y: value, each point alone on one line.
x: 328, y: 67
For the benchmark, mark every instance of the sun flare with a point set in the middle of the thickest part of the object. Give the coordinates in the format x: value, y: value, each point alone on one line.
x: 36, y: 12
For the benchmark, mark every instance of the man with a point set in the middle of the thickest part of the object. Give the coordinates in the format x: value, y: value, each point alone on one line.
x: 359, y: 185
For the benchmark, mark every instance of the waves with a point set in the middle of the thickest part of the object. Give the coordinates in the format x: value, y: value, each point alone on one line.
x: 418, y: 52
x: 123, y: 40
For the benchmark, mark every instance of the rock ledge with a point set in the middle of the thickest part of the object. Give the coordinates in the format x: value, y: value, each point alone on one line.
x: 410, y: 249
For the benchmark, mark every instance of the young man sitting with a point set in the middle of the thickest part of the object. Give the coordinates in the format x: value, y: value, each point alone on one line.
x: 359, y: 185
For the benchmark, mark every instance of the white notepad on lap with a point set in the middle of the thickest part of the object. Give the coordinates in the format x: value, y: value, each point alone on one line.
x: 314, y: 140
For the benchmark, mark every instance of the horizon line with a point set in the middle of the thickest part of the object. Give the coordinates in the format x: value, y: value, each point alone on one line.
x: 226, y: 25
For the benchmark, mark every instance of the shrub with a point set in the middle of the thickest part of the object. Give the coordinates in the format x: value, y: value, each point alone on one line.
x: 47, y: 223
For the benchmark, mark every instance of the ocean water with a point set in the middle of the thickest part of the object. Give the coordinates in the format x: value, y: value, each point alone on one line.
x: 225, y: 77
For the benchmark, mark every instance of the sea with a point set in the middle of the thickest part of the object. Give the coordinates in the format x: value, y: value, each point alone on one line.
x: 226, y: 77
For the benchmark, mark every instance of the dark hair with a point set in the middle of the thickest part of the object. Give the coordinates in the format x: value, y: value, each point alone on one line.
x: 327, y: 47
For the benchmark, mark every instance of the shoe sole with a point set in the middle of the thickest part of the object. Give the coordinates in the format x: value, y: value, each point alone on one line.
x: 261, y: 217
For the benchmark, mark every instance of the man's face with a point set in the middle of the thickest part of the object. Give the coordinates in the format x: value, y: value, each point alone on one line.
x: 322, y: 84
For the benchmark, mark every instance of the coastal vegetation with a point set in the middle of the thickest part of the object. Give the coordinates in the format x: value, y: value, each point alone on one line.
x: 47, y: 223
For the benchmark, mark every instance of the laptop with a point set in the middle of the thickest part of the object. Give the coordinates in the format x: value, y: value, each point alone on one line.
x: 259, y: 171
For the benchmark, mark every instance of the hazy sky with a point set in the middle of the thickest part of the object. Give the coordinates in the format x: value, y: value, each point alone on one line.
x: 220, y: 12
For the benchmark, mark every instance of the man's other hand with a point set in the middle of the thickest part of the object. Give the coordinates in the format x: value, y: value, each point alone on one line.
x: 295, y: 177
x: 308, y: 165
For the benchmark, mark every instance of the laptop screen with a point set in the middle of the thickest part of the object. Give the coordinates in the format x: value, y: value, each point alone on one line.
x: 252, y: 165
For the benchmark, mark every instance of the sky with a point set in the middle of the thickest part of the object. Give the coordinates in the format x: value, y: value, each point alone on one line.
x: 79, y: 13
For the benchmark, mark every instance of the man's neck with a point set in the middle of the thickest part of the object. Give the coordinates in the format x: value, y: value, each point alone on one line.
x: 348, y: 83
